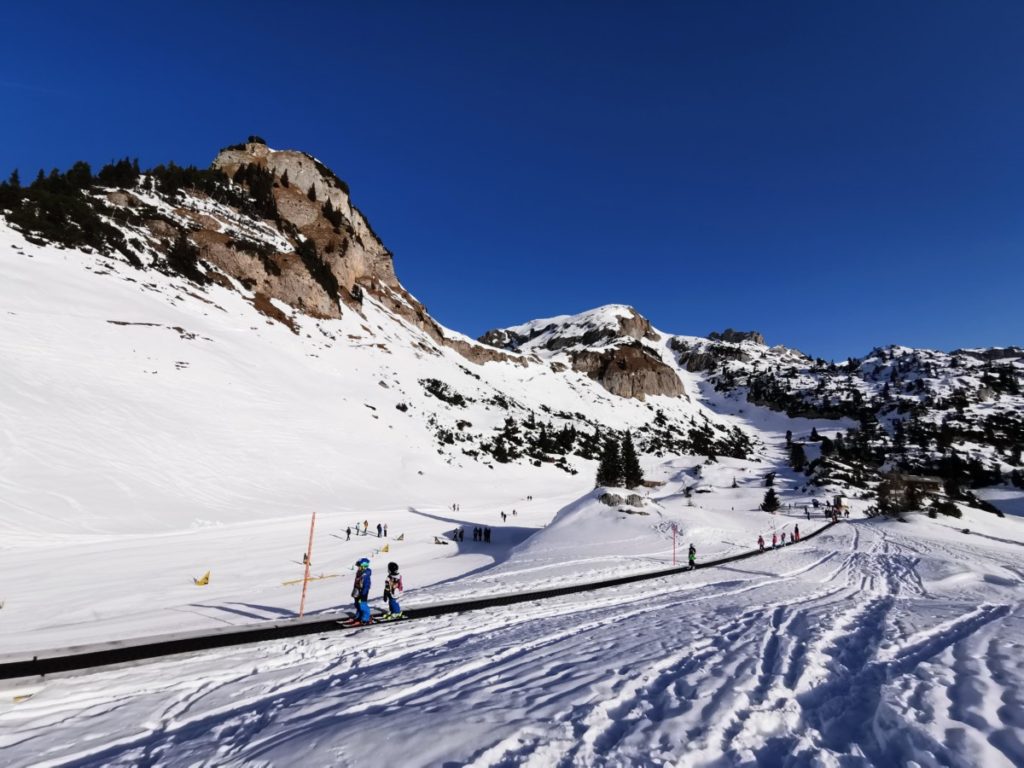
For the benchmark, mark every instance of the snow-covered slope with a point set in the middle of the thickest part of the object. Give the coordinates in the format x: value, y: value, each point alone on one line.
x: 160, y: 408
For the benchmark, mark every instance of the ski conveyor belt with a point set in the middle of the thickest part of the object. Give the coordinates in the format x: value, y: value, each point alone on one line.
x: 85, y: 657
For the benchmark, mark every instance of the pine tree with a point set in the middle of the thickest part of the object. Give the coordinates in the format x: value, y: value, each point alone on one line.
x: 631, y: 472
x: 543, y: 441
x: 500, y: 451
x: 771, y: 501
x: 79, y: 175
x: 183, y: 258
x: 797, y: 457
x: 609, y: 471
x: 14, y: 181
x: 769, y: 480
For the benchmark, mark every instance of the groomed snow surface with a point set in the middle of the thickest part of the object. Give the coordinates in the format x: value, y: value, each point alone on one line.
x: 876, y: 643
x: 136, y: 457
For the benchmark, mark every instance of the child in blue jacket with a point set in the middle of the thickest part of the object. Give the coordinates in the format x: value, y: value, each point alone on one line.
x: 361, y: 590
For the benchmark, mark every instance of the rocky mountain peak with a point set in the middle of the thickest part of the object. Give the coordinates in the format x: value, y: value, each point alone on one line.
x: 606, y: 343
x: 313, y: 202
x: 611, y: 323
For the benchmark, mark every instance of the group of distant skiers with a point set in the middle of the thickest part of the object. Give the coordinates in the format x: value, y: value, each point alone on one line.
x: 780, y: 539
x: 382, y: 530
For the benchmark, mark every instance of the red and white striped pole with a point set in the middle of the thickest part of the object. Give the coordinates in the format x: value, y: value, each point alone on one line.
x: 309, y: 562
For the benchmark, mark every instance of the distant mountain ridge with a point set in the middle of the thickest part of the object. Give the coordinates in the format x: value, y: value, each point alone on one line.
x: 278, y: 230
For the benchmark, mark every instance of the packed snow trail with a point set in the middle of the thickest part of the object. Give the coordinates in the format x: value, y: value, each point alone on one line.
x: 858, y: 649
x: 120, y: 651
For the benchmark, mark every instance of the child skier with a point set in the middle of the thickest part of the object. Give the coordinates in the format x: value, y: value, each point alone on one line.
x: 392, y: 589
x: 361, y: 590
x: 693, y: 557
x: 760, y: 543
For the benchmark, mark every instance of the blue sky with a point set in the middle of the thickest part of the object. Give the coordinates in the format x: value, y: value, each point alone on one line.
x: 836, y: 175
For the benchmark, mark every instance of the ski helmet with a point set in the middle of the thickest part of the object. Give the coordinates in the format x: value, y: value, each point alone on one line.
x: 363, y: 562
x: 392, y: 567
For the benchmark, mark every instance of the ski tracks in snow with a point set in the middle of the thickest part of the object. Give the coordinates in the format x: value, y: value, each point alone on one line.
x: 837, y: 654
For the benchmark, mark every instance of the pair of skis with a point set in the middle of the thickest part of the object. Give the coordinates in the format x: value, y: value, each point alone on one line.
x: 352, y: 621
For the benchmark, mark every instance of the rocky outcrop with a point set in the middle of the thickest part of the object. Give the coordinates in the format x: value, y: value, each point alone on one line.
x: 614, y: 500
x: 480, y: 353
x: 706, y: 356
x: 630, y: 370
x: 500, y: 338
x: 304, y: 191
x: 992, y: 354
x: 313, y: 203
x: 279, y: 275
x: 735, y: 337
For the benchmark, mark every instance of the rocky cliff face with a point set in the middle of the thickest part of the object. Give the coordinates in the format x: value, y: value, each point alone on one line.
x: 354, y: 252
x: 314, y: 204
x: 629, y: 370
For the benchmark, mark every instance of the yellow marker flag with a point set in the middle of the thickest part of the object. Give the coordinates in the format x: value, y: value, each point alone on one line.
x: 386, y: 548
x: 203, y: 581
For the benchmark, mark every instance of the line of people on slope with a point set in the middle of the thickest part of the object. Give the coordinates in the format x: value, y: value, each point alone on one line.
x: 780, y: 540
x: 480, y: 533
x: 393, y: 587
x: 382, y: 530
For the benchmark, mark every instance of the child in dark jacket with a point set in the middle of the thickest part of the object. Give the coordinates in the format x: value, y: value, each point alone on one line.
x: 392, y: 589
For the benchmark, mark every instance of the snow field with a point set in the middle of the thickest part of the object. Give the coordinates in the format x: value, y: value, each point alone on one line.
x: 801, y: 657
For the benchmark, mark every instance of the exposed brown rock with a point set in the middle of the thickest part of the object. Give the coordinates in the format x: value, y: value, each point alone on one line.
x: 293, y: 284
x: 264, y: 305
x: 161, y: 229
x: 629, y: 371
x: 479, y: 353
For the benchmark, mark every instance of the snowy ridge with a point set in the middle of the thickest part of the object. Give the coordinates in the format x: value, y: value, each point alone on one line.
x: 569, y: 332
